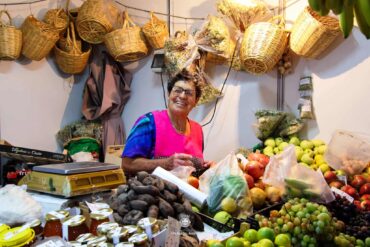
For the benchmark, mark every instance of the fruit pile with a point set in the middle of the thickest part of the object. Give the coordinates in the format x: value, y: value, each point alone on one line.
x: 346, y: 10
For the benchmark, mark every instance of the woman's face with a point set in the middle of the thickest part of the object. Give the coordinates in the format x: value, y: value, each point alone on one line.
x: 182, y: 98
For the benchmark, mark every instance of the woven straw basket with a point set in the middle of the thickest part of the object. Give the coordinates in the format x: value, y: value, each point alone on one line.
x: 57, y: 18
x: 74, y: 60
x: 10, y: 39
x: 38, y: 38
x: 156, y: 32
x: 262, y: 46
x: 95, y: 19
x: 312, y: 34
x: 126, y: 44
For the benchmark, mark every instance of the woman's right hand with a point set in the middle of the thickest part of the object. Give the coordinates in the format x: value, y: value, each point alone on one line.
x: 178, y: 159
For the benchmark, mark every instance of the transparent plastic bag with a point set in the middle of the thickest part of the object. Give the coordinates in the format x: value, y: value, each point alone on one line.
x: 226, y: 180
x: 348, y: 151
x: 183, y: 172
x: 296, y: 180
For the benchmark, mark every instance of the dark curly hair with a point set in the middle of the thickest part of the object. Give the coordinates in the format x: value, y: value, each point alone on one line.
x: 181, y: 77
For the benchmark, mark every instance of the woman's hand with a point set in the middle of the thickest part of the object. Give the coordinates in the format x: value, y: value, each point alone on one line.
x: 178, y: 159
x: 208, y: 163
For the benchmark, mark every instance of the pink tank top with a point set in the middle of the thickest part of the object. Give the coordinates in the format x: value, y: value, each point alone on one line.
x: 168, y: 141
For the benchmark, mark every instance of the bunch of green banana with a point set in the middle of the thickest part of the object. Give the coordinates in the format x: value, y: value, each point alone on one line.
x: 347, y: 10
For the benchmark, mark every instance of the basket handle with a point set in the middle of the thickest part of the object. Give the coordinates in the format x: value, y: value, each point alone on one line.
x: 128, y: 21
x: 10, y: 19
x: 280, y: 19
x: 67, y: 5
x: 73, y: 36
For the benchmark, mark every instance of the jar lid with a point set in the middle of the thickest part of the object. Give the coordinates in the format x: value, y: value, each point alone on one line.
x: 105, y: 227
x: 119, y: 232
x: 16, y: 236
x: 34, y: 223
x: 131, y: 229
x: 84, y: 237
x: 4, y: 227
x: 125, y: 244
x: 74, y: 220
x: 138, y: 238
x: 56, y: 215
x: 102, y: 244
x: 146, y: 221
x: 96, y: 240
x: 75, y: 244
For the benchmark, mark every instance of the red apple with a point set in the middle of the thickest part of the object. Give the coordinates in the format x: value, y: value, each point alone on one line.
x: 260, y: 184
x: 365, y: 197
x: 357, y: 204
x: 358, y: 181
x: 365, y: 189
x: 255, y: 169
x: 249, y: 179
x: 350, y: 191
x: 365, y: 205
x: 262, y: 158
x: 330, y: 176
x: 337, y: 184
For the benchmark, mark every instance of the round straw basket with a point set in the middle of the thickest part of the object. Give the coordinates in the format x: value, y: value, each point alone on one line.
x: 262, y: 46
x: 57, y: 18
x: 73, y: 61
x: 126, y: 44
x: 38, y: 38
x: 95, y: 19
x: 312, y: 34
x: 10, y: 39
x: 156, y: 32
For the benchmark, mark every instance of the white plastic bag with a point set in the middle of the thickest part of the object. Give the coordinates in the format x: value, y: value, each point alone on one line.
x: 183, y: 172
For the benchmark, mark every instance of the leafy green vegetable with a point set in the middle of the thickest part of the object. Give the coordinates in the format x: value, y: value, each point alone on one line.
x: 234, y: 186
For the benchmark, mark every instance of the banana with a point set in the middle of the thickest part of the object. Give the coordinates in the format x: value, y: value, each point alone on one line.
x: 337, y: 6
x: 364, y: 7
x: 323, y: 10
x: 346, y: 18
x: 361, y: 21
x: 315, y: 4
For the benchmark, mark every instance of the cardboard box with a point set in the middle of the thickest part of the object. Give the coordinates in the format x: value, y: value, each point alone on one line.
x: 113, y: 154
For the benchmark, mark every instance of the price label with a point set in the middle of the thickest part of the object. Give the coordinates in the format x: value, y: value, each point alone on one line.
x: 342, y: 194
x: 343, y: 178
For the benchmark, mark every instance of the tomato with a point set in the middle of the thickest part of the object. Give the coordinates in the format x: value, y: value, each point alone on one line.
x: 193, y: 181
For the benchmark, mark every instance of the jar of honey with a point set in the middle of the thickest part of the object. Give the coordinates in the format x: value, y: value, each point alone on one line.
x: 139, y: 240
x: 149, y: 225
x: 98, y: 217
x: 105, y: 227
x: 132, y: 229
x: 53, y: 224
x: 73, y: 227
x: 117, y: 235
x: 37, y: 227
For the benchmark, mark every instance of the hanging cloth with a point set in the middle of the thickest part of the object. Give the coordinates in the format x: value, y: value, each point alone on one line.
x: 106, y: 93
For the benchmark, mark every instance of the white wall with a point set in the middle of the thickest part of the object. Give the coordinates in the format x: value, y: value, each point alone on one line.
x: 36, y: 100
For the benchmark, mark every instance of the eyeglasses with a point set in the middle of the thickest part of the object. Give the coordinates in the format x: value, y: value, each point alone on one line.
x: 180, y: 90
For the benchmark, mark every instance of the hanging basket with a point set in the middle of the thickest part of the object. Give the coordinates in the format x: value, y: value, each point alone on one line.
x: 95, y: 19
x: 312, y: 34
x: 10, y: 39
x: 74, y: 60
x: 38, y: 38
x: 156, y: 32
x: 126, y: 44
x: 262, y: 46
x: 58, y: 18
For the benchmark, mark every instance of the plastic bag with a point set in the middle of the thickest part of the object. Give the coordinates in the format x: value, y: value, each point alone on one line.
x: 267, y: 122
x: 183, y: 172
x: 226, y: 180
x: 296, y: 180
x: 348, y: 151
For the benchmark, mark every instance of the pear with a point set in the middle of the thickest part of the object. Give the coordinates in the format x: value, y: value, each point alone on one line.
x: 276, y: 150
x: 268, y: 150
x: 309, y: 152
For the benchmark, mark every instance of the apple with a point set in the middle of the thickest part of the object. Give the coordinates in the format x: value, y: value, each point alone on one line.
x: 283, y: 145
x: 249, y: 179
x: 358, y: 181
x: 306, y: 144
x: 340, y: 173
x: 365, y: 197
x: 350, y: 191
x: 306, y: 158
x: 268, y: 150
x: 319, y: 159
x: 263, y: 159
x: 330, y: 176
x: 276, y: 150
x: 278, y: 140
x: 260, y: 184
x: 324, y: 167
x: 294, y: 140
x: 337, y: 184
x: 322, y: 149
x: 270, y: 142
x: 309, y: 152
x: 255, y: 169
x: 365, y: 205
x: 317, y: 142
x: 365, y: 189
x: 357, y: 204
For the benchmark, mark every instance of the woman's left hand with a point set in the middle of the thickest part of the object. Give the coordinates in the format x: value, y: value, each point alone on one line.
x: 208, y: 163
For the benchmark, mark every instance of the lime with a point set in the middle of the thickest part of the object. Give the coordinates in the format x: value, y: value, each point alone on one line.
x: 222, y: 217
x: 214, y: 243
x: 282, y: 240
x: 251, y: 235
x: 265, y: 233
x: 265, y: 243
x: 246, y: 243
x: 228, y: 204
x: 234, y: 242
x: 367, y: 242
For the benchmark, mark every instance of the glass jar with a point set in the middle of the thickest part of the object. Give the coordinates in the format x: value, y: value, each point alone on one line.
x: 149, y: 222
x: 139, y: 240
x: 125, y: 244
x: 53, y: 225
x: 84, y: 238
x: 96, y: 241
x: 73, y: 227
x: 105, y: 227
x: 132, y: 229
x: 96, y: 219
x: 37, y: 227
x: 117, y: 235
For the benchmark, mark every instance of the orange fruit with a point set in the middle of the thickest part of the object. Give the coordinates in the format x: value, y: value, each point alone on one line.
x: 193, y: 181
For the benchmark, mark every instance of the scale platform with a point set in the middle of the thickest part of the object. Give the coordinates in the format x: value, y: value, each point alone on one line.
x: 74, y: 179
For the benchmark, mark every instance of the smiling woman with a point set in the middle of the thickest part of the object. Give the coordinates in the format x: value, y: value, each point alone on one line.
x: 167, y: 138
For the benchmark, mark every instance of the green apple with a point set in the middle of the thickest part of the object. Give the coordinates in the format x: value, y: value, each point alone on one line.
x: 270, y: 142
x: 294, y: 140
x: 299, y: 154
x: 317, y: 142
x: 278, y: 140
x: 283, y: 145
x: 306, y: 158
x: 276, y: 150
x: 324, y: 168
x: 309, y: 152
x: 322, y: 149
x: 306, y: 144
x: 314, y: 167
x: 268, y: 149
x: 319, y: 159
x: 340, y: 173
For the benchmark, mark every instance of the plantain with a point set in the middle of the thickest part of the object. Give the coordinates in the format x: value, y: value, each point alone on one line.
x: 323, y: 10
x: 335, y: 5
x: 346, y: 18
x: 361, y: 21
x: 364, y: 7
x: 315, y: 4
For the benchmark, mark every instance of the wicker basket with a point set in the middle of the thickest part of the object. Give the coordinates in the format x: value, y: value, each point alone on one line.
x: 126, y: 44
x: 75, y: 60
x: 10, y: 39
x: 95, y: 19
x: 38, y: 38
x: 262, y: 46
x: 57, y: 18
x: 312, y: 34
x: 156, y: 32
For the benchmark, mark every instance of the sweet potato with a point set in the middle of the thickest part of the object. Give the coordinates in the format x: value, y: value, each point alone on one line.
x: 123, y: 209
x: 168, y: 196
x: 142, y: 175
x: 117, y: 218
x: 122, y: 198
x: 179, y: 208
x: 146, y: 189
x: 131, y: 195
x: 148, y: 199
x: 139, y: 205
x: 132, y: 217
x: 165, y: 208
x: 153, y: 211
x: 122, y: 189
x: 170, y: 186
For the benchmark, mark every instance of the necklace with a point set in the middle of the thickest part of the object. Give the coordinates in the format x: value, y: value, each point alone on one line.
x: 174, y: 124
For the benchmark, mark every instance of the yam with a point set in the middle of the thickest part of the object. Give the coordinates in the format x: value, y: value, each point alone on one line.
x: 165, y: 208
x: 139, y: 205
x: 134, y: 182
x: 131, y: 195
x: 117, y: 218
x: 187, y: 206
x: 148, y: 181
x: 132, y: 217
x: 142, y: 175
x: 122, y: 198
x: 168, y: 196
x: 146, y: 189
x: 122, y: 189
x: 170, y: 186
x: 148, y: 199
x: 153, y: 211
x: 180, y: 197
x: 114, y: 204
x: 123, y: 209
x: 179, y: 208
